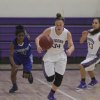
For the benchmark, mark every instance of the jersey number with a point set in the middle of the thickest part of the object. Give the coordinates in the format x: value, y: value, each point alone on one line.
x: 23, y: 53
x: 56, y: 45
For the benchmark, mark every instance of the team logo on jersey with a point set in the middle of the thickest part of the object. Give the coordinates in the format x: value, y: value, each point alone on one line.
x: 90, y: 43
x: 57, y: 43
x: 23, y: 51
x: 58, y: 40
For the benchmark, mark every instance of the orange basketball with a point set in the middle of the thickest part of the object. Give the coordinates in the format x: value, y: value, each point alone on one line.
x: 45, y: 42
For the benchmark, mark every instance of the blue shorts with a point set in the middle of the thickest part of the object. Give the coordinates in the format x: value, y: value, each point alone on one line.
x: 25, y: 61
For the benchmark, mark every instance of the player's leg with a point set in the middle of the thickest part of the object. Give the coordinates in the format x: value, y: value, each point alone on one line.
x: 13, y: 75
x: 57, y: 82
x: 87, y: 66
x: 60, y: 67
x: 83, y: 77
x: 93, y: 79
x: 27, y: 68
x: 13, y: 79
x: 91, y: 73
x: 49, y: 73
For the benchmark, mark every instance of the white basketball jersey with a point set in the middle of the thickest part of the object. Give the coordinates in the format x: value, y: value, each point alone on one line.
x: 58, y: 43
x: 93, y: 43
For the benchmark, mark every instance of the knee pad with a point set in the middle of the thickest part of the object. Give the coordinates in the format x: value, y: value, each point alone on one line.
x: 58, y: 79
x: 50, y: 79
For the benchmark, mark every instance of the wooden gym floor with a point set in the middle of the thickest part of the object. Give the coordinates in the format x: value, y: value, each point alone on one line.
x: 40, y: 88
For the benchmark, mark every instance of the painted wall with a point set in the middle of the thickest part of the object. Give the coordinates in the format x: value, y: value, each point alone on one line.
x: 49, y: 8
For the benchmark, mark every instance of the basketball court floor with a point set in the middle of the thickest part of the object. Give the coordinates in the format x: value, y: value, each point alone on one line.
x: 40, y: 88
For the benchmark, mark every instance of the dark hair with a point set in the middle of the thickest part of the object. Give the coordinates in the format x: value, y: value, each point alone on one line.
x: 59, y: 17
x: 98, y: 18
x: 93, y: 32
x: 19, y: 29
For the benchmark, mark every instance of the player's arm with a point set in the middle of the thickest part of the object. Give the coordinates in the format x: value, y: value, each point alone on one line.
x: 70, y: 44
x: 99, y: 37
x: 11, y: 54
x: 84, y: 36
x: 27, y: 35
x: 46, y: 32
x: 13, y: 65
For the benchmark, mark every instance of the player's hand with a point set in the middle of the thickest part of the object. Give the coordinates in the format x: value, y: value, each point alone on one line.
x: 84, y: 32
x: 39, y: 49
x: 69, y: 52
x: 84, y: 36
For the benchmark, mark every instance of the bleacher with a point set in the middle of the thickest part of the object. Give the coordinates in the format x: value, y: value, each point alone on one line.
x: 34, y: 27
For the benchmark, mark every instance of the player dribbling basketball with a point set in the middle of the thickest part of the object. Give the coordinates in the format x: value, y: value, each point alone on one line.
x: 55, y: 58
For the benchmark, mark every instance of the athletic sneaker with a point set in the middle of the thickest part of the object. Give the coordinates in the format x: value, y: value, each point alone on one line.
x: 51, y: 97
x: 93, y: 83
x: 82, y: 85
x: 30, y: 78
x: 13, y: 89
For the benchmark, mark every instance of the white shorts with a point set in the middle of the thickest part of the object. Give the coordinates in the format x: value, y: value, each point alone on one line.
x: 90, y: 62
x: 52, y: 67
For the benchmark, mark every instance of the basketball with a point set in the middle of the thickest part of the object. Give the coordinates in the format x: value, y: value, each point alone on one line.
x: 45, y: 42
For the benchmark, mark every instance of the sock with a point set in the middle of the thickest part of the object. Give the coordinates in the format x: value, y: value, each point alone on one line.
x: 14, y: 85
x: 93, y: 78
x: 52, y: 92
x: 83, y: 80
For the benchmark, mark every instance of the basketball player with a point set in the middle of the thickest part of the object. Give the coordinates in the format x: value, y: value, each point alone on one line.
x: 93, y: 56
x: 20, y: 53
x: 55, y: 58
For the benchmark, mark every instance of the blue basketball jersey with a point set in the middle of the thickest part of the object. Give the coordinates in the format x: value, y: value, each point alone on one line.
x: 23, y: 50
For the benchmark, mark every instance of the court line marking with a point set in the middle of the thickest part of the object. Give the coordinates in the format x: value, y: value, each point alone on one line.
x: 63, y: 93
